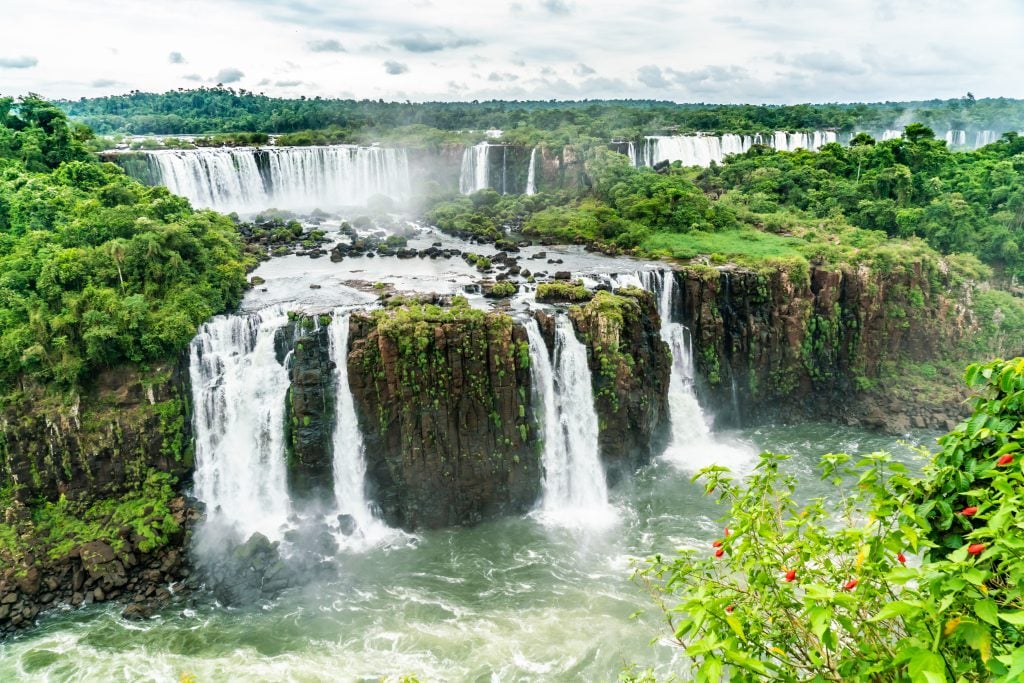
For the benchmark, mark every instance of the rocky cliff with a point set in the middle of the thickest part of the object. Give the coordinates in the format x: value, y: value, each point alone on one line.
x: 785, y: 345
x: 88, y: 492
x: 98, y: 442
x: 443, y: 399
x: 310, y: 416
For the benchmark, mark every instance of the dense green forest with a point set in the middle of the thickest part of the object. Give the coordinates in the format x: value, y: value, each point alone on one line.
x: 96, y: 268
x: 784, y: 205
x: 225, y: 110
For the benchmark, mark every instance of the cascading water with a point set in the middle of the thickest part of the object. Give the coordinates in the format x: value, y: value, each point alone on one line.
x: 575, y: 491
x: 693, y: 445
x: 531, y: 175
x: 347, y: 440
x: 247, y: 180
x: 238, y: 390
x: 701, y: 149
x: 475, y: 172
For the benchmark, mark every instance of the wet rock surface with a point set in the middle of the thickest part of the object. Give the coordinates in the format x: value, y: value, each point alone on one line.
x: 772, y: 350
x: 101, y: 571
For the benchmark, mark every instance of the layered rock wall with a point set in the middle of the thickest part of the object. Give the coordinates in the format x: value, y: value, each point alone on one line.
x: 785, y: 346
x: 444, y: 406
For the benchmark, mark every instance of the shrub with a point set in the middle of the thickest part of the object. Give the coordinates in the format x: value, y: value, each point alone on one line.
x: 824, y: 591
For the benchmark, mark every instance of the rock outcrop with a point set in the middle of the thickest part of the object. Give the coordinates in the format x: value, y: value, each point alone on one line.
x: 443, y: 400
x: 97, y: 467
x: 100, y: 441
x: 788, y: 346
x: 125, y: 567
x: 310, y: 416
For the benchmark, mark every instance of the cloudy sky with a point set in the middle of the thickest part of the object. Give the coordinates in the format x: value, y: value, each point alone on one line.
x: 684, y: 50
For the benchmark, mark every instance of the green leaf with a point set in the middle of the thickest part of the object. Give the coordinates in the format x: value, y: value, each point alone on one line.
x: 1007, y: 448
x: 987, y: 611
x: 735, y: 625
x: 978, y: 637
x: 895, y: 609
x: 820, y: 618
x: 926, y: 667
x: 1015, y: 618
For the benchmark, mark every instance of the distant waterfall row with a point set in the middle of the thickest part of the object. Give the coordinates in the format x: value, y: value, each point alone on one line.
x: 702, y: 149
x: 248, y: 180
x: 498, y: 167
x: 239, y: 389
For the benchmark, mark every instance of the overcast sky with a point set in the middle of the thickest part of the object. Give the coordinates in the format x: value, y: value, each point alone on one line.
x: 685, y: 50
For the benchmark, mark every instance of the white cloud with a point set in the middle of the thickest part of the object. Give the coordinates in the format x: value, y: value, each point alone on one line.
x: 700, y: 50
x: 24, y: 62
x: 328, y: 45
x: 229, y: 75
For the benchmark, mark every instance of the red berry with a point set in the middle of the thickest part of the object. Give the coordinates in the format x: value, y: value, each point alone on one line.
x: 1005, y: 460
x: 902, y: 558
x: 975, y: 548
x: 729, y: 609
x: 719, y: 552
x: 716, y: 544
x: 850, y: 585
x: 726, y: 531
x: 969, y: 511
x: 790, y: 575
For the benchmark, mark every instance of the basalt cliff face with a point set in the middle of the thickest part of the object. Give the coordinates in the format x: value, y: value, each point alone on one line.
x: 825, y: 345
x: 89, y: 509
x: 445, y: 410
x: 630, y: 365
x: 448, y: 408
x: 101, y: 441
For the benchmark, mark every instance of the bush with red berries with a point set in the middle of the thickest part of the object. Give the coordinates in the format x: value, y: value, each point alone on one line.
x: 806, y: 592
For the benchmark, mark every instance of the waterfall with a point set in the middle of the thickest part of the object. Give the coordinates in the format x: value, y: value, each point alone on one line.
x: 985, y: 137
x: 701, y: 149
x: 347, y: 440
x: 475, y: 172
x: 692, y: 446
x: 238, y: 390
x: 504, y: 169
x: 634, y: 158
x: 575, y: 491
x: 248, y: 180
x: 531, y: 176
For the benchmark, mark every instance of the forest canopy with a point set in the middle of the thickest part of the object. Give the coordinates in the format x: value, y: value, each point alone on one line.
x: 96, y: 268
x: 225, y: 110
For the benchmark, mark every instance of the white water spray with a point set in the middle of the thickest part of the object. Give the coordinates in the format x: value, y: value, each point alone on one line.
x: 531, y: 175
x: 693, y: 446
x: 238, y: 390
x: 475, y: 172
x: 575, y: 490
x: 349, y: 458
x: 298, y: 178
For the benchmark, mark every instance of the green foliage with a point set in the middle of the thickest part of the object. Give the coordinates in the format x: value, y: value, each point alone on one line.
x: 221, y: 109
x: 550, y: 292
x: 57, y: 527
x: 912, y: 186
x: 95, y: 268
x: 964, y: 471
x: 503, y: 289
x: 824, y: 591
